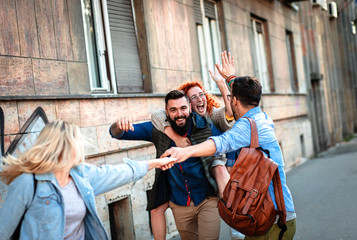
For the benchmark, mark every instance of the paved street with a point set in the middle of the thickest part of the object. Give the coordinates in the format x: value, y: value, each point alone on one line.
x: 325, y: 193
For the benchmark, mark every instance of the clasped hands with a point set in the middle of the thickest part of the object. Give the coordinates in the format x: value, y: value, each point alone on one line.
x: 170, y: 157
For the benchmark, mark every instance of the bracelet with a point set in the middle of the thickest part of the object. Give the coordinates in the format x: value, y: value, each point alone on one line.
x: 230, y: 79
x: 229, y: 84
x: 229, y: 119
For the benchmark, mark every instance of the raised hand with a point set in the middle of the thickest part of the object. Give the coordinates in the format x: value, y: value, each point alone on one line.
x: 221, y: 83
x: 125, y: 124
x: 121, y: 125
x: 227, y: 68
x: 216, y: 76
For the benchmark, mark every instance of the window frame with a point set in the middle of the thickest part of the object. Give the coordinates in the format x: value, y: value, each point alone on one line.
x: 103, y: 39
x: 209, y: 44
x: 99, y: 62
x: 38, y: 113
x: 265, y: 44
x: 292, y: 61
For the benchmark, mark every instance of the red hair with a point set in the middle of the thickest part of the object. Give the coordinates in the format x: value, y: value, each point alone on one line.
x: 211, y: 100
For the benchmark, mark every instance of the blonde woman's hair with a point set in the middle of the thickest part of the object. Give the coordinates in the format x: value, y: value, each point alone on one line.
x: 59, y: 145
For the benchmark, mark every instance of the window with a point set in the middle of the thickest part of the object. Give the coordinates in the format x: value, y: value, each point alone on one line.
x: 262, y: 59
x: 28, y: 133
x: 291, y: 59
x: 112, y: 31
x: 208, y: 39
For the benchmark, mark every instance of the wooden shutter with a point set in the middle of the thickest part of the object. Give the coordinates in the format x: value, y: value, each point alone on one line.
x: 209, y: 10
x: 125, y: 49
x: 197, y: 11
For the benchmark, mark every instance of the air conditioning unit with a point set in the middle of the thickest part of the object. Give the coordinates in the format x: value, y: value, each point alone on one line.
x: 316, y: 2
x: 332, y: 9
x: 324, y: 4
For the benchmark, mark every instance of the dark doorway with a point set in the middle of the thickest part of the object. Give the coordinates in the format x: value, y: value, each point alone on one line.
x: 121, y: 220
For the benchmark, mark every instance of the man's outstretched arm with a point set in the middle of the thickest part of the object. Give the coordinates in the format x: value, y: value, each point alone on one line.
x: 204, y: 149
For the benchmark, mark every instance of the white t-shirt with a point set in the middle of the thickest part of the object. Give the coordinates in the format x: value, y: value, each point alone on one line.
x: 75, y: 211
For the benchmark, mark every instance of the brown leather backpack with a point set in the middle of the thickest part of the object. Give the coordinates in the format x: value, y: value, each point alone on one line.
x: 246, y: 204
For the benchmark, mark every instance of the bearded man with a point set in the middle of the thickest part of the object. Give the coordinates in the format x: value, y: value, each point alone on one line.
x: 188, y: 186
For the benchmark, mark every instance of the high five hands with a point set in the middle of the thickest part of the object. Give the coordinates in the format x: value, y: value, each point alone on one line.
x: 227, y: 68
x: 216, y: 76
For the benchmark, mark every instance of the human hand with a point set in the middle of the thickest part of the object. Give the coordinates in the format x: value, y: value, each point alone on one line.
x: 167, y: 166
x: 181, y: 154
x: 124, y: 124
x: 227, y: 68
x: 179, y: 140
x: 182, y: 141
x: 216, y: 76
x: 163, y: 163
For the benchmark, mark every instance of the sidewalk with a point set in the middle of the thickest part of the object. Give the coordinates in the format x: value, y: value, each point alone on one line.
x: 324, y: 193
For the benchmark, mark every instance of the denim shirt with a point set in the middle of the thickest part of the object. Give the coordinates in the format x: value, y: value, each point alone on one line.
x: 239, y: 137
x: 45, y: 218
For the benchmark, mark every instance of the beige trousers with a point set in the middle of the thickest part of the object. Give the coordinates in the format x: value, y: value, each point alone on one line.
x: 201, y: 222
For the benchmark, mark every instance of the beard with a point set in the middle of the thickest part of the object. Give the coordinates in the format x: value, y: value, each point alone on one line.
x: 180, y: 130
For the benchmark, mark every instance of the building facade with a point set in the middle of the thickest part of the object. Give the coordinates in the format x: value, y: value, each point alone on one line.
x: 92, y: 61
x: 328, y: 31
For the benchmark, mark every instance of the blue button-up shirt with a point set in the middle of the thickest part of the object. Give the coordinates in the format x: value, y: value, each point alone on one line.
x: 239, y: 137
x: 187, y: 179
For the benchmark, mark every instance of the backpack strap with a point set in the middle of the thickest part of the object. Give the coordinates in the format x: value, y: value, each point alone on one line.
x: 279, y: 198
x: 254, y: 141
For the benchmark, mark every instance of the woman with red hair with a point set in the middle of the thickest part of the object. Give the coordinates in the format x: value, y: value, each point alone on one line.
x: 202, y: 103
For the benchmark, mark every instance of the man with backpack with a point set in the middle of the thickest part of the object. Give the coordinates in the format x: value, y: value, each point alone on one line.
x: 244, y: 98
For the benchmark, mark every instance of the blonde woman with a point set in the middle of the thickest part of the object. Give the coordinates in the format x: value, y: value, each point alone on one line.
x: 53, y: 189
